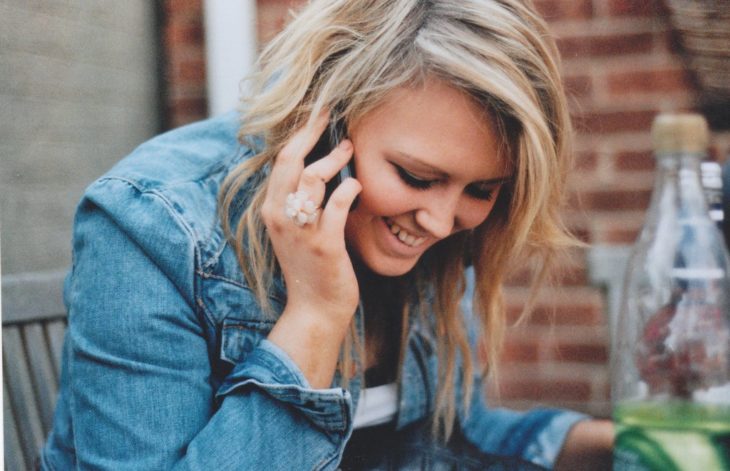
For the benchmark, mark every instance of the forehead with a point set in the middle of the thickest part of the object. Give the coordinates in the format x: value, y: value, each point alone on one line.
x: 439, y: 125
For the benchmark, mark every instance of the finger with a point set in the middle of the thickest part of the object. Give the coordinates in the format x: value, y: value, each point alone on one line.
x: 314, y: 176
x: 290, y: 160
x: 338, y: 207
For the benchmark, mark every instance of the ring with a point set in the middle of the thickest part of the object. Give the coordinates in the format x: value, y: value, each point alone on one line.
x: 300, y: 209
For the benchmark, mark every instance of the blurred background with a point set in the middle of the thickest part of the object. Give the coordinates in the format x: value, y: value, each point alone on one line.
x: 84, y: 82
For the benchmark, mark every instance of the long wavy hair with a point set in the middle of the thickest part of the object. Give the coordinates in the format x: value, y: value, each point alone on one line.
x: 347, y: 56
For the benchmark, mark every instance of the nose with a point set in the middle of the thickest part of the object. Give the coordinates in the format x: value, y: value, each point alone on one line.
x: 437, y: 215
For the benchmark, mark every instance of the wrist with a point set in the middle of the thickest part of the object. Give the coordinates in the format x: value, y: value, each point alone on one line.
x: 589, y: 445
x: 312, y: 339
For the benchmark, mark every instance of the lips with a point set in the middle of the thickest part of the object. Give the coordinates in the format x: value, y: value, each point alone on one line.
x: 407, y: 238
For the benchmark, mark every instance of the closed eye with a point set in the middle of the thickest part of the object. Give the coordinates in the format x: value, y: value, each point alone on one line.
x: 485, y: 193
x: 412, y: 180
x: 482, y: 191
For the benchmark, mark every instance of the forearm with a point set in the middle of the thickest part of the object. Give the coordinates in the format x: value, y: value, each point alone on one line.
x: 588, y: 446
x: 312, y: 341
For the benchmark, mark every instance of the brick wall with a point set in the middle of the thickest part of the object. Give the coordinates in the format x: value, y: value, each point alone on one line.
x: 622, y: 63
x: 184, y: 68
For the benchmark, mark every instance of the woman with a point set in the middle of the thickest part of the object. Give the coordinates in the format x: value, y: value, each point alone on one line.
x: 223, y: 316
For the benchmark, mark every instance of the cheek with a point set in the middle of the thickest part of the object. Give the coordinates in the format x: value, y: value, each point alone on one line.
x: 374, y: 201
x: 381, y: 196
x: 475, y: 213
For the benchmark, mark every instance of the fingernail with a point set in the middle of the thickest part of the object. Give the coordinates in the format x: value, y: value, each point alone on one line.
x: 346, y: 145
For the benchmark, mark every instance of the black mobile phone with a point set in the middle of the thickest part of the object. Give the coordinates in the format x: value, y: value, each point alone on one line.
x: 331, y: 137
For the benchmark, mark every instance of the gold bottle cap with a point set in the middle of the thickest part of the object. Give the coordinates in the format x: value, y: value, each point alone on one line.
x: 680, y: 132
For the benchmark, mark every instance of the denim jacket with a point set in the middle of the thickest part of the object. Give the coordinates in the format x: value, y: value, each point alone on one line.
x: 166, y: 362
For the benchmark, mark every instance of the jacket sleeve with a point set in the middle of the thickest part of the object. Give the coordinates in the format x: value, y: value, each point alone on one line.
x: 136, y: 385
x: 536, y: 435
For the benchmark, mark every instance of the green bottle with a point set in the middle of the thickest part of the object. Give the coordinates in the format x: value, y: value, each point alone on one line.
x: 671, y: 351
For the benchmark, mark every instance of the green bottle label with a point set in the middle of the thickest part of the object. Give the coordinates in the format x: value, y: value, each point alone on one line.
x: 676, y: 436
x: 633, y: 451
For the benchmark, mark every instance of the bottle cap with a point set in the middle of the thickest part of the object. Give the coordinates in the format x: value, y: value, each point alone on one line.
x: 680, y: 132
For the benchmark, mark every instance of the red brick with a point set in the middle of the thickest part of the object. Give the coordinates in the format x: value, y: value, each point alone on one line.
x: 184, y: 32
x: 517, y: 351
x: 554, y: 10
x: 578, y: 314
x: 569, y: 275
x: 183, y: 8
x: 621, y: 235
x: 602, y: 122
x: 186, y: 110
x: 191, y: 71
x: 575, y: 276
x: 183, y: 39
x: 635, y: 160
x: 605, y: 45
x: 635, y: 8
x: 615, y: 200
x: 520, y: 277
x: 548, y: 390
x: 182, y: 52
x: 575, y: 200
x: 581, y: 353
x: 649, y: 81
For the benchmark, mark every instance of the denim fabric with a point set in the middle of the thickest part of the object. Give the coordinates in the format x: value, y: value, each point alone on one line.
x: 166, y: 362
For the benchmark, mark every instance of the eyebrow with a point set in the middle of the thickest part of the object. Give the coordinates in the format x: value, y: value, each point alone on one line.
x: 441, y: 173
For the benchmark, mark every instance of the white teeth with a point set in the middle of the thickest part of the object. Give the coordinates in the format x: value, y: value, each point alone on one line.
x: 403, y: 235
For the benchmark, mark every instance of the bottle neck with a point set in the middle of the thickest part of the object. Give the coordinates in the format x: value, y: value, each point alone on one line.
x: 677, y: 187
x: 671, y: 163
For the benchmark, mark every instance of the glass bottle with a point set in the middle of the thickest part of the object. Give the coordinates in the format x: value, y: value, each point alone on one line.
x: 671, y: 353
x: 711, y: 173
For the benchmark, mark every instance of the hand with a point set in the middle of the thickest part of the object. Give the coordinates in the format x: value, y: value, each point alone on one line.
x: 322, y: 290
x: 588, y: 446
x: 313, y: 257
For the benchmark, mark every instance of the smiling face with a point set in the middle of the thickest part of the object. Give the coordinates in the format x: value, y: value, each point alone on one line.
x: 429, y: 162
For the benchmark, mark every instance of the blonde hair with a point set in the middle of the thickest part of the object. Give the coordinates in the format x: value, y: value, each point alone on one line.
x: 347, y: 55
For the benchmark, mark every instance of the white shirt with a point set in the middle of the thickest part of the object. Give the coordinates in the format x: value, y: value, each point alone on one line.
x: 376, y: 406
